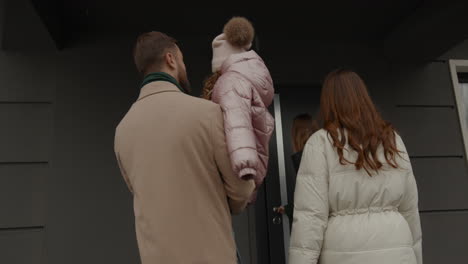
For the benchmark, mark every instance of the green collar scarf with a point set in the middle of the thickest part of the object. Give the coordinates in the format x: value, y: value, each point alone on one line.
x: 161, y: 76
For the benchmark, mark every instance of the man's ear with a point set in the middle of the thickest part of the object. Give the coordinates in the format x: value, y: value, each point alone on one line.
x: 171, y: 60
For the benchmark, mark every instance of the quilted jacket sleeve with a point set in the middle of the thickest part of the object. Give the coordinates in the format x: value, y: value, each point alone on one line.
x: 409, y: 208
x: 237, y: 190
x: 235, y: 100
x: 311, y: 205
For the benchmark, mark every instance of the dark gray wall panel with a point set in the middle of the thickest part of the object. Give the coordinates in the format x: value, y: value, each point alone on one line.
x: 27, y: 76
x: 429, y: 131
x: 87, y: 200
x: 423, y: 85
x: 26, y: 132
x: 22, y: 247
x: 22, y: 195
x: 445, y: 237
x: 459, y: 52
x: 442, y: 183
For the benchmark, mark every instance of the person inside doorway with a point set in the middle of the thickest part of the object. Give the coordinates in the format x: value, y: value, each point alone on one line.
x: 303, y: 127
x: 356, y: 199
x: 171, y: 149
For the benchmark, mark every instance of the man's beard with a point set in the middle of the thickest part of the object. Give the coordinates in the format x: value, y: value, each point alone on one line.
x: 184, y: 82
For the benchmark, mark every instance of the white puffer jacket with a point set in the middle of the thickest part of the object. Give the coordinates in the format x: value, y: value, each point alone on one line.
x: 343, y: 216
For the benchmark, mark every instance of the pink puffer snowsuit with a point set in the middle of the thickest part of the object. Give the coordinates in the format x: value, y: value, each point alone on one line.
x: 244, y: 91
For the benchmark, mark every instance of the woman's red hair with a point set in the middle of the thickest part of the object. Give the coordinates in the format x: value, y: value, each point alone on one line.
x: 350, y: 116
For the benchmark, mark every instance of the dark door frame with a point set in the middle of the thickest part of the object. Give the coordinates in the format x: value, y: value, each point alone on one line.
x: 270, y: 234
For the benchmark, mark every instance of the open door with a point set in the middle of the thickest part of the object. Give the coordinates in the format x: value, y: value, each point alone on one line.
x: 272, y: 229
x: 270, y: 232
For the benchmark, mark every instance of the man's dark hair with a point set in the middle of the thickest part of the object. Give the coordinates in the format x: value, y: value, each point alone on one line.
x: 150, y: 49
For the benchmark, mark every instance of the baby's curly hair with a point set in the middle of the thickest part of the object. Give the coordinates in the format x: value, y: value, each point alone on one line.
x: 209, y: 84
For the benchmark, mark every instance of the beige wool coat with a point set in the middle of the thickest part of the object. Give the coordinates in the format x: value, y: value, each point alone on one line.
x: 172, y: 152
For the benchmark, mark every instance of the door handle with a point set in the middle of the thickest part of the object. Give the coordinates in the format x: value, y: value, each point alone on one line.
x: 277, y: 220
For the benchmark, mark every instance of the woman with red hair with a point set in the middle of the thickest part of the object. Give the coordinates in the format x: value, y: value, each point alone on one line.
x: 356, y: 199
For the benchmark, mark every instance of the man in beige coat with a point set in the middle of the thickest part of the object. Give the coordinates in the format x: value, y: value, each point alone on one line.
x: 172, y: 154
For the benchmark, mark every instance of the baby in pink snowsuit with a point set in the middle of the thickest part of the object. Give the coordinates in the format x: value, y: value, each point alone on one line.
x: 241, y: 84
